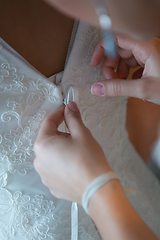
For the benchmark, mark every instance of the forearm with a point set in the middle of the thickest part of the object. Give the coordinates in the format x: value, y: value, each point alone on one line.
x: 115, y: 217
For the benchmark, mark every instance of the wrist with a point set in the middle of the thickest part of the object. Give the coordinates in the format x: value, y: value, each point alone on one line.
x: 95, y: 185
x: 107, y: 206
x: 98, y: 171
x: 103, y: 196
x: 114, y: 216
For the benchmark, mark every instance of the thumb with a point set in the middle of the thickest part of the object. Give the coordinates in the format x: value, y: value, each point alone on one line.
x: 138, y: 88
x: 73, y: 119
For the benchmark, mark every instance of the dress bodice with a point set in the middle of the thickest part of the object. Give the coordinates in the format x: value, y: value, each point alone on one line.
x: 27, y: 208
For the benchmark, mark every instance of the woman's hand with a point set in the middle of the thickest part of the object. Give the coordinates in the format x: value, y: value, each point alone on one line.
x: 68, y: 162
x: 131, y: 53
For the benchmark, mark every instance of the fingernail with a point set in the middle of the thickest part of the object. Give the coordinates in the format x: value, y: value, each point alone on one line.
x: 98, y: 89
x: 73, y: 107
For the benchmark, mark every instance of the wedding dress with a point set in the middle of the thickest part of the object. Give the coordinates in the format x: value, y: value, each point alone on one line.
x: 27, y: 208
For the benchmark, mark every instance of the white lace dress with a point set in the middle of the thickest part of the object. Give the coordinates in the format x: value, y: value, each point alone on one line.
x: 27, y: 209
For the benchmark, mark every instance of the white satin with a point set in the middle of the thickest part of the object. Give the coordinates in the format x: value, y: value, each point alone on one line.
x: 27, y: 209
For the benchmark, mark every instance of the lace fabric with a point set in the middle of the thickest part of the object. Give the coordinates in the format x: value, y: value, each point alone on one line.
x: 105, y: 117
x: 27, y: 208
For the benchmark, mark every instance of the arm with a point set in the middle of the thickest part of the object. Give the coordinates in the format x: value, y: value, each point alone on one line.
x: 82, y: 156
x: 115, y: 217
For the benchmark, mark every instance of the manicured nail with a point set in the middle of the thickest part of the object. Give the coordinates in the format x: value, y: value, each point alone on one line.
x: 98, y: 89
x: 73, y: 107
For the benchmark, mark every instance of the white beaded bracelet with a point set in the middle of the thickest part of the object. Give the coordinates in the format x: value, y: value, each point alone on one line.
x: 94, y: 186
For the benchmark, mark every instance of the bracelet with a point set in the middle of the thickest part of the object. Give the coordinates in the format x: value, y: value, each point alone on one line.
x: 94, y: 186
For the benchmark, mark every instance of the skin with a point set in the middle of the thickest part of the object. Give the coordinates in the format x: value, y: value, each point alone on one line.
x: 143, y: 134
x: 121, y: 12
x: 41, y: 45
x: 90, y: 160
x: 143, y: 117
x: 114, y: 217
x: 131, y: 52
x: 79, y: 137
x: 109, y: 207
x: 38, y: 32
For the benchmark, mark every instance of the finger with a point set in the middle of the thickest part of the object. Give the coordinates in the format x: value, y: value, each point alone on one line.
x: 64, y: 134
x: 122, y: 70
x: 124, y: 67
x: 138, y: 73
x: 108, y: 68
x: 98, y: 54
x: 73, y: 120
x: 109, y: 73
x: 123, y: 53
x: 51, y: 123
x: 139, y: 49
x: 117, y: 87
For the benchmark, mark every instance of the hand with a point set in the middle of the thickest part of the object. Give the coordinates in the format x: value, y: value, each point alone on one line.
x: 131, y: 53
x: 68, y: 162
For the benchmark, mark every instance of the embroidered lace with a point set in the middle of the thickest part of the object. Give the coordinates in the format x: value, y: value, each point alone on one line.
x: 27, y: 208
